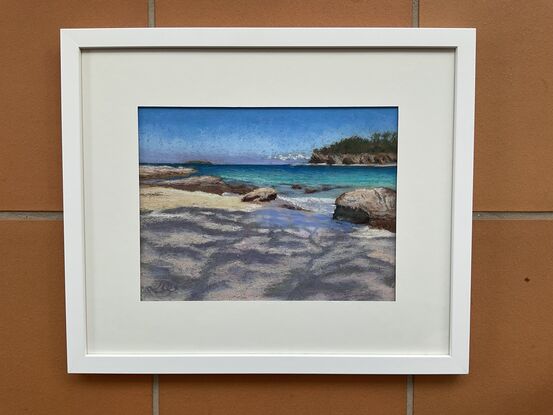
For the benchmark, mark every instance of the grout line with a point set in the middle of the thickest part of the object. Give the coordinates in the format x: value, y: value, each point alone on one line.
x: 410, y: 395
x: 415, y: 6
x: 155, y: 395
x: 31, y: 215
x: 151, y: 13
x: 512, y: 216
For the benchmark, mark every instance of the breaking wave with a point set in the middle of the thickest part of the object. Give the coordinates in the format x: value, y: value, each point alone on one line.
x: 315, y: 204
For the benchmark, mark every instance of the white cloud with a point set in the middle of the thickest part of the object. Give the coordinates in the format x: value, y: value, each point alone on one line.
x: 290, y: 157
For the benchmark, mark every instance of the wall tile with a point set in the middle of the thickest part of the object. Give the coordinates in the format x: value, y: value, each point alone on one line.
x: 32, y: 323
x: 283, y: 13
x: 282, y: 395
x: 30, y: 160
x: 514, y: 104
x: 511, y: 366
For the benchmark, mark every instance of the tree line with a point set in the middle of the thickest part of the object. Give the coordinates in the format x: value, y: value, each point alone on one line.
x: 379, y: 142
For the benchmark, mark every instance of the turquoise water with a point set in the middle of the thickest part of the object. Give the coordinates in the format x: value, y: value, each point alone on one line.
x: 305, y: 175
x: 336, y: 179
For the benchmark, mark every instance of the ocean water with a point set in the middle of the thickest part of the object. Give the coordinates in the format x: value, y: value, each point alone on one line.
x: 324, y: 183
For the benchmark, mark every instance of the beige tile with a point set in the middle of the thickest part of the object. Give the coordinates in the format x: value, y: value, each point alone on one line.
x: 282, y: 395
x: 32, y: 323
x: 283, y: 13
x: 511, y: 335
x: 30, y: 160
x: 514, y: 98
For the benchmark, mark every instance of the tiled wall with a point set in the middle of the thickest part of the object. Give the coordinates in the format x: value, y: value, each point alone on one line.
x: 512, y: 330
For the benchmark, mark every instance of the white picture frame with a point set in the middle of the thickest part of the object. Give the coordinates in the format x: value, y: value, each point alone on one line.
x: 75, y: 41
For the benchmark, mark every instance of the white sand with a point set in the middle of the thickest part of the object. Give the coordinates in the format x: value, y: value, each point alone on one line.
x: 161, y: 198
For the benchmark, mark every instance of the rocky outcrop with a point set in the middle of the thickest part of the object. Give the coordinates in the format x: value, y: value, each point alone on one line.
x: 263, y: 194
x: 378, y: 159
x: 208, y: 184
x: 163, y: 172
x: 376, y: 207
x: 310, y: 190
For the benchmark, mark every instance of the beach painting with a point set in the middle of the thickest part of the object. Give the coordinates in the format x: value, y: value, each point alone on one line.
x: 267, y: 204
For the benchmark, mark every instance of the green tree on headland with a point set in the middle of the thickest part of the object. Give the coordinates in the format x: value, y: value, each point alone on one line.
x: 381, y: 142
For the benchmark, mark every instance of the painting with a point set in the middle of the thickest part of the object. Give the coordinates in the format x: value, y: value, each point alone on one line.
x: 267, y: 204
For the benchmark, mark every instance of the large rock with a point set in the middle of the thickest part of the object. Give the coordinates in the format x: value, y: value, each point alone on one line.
x: 263, y: 194
x: 207, y: 184
x: 376, y: 207
x: 163, y: 172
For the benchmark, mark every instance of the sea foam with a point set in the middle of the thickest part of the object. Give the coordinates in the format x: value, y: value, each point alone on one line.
x: 315, y: 204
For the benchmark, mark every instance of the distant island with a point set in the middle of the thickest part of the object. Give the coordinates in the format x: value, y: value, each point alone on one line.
x: 380, y: 149
x: 198, y: 162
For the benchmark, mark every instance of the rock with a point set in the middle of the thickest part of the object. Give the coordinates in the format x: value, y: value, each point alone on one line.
x: 207, y: 184
x: 348, y: 159
x: 263, y: 194
x: 376, y: 207
x: 310, y: 190
x: 163, y: 172
x: 317, y: 158
x: 323, y: 188
x: 199, y: 180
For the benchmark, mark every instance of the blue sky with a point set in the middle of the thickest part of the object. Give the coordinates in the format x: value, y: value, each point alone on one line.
x: 251, y: 135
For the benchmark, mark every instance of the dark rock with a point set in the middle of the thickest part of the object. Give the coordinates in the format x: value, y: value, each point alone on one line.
x: 208, y: 184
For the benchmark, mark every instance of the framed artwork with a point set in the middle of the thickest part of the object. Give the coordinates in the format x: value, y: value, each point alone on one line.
x: 268, y: 200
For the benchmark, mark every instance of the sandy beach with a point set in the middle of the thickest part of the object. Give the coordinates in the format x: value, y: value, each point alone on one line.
x: 160, y: 198
x: 199, y: 246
